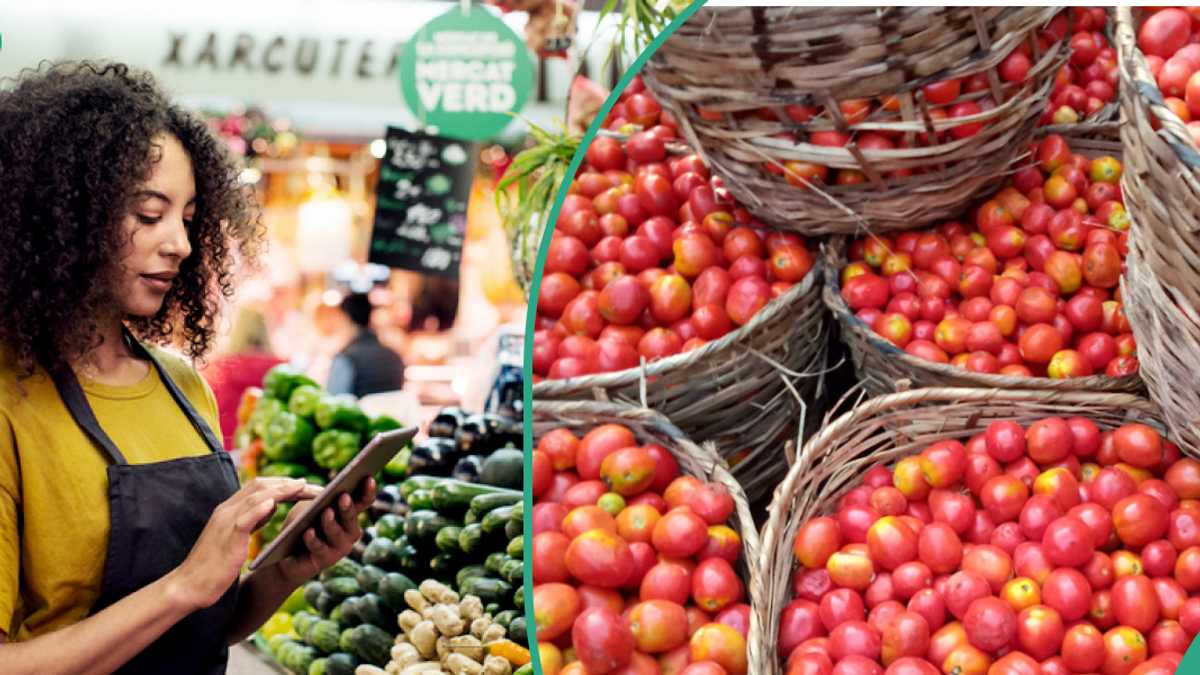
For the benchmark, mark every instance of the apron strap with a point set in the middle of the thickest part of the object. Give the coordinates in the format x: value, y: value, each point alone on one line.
x: 206, y: 432
x: 77, y: 404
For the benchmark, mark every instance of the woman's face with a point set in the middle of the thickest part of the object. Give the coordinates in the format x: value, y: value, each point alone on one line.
x: 157, y: 230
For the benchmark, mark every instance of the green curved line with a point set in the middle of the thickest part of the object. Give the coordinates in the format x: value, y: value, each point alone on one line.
x: 536, y: 285
x: 1191, y: 659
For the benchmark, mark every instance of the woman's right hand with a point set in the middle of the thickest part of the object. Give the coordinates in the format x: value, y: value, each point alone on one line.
x: 217, y: 557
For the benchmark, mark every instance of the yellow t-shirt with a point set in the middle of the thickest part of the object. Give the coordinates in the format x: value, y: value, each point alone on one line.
x: 54, y: 486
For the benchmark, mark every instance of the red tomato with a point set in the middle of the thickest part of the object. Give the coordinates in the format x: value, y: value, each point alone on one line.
x: 667, y: 581
x: 1125, y: 648
x: 798, y: 622
x: 1139, y: 519
x: 1067, y: 591
x: 715, y: 585
x: 816, y: 540
x: 962, y: 589
x: 602, y: 640
x: 722, y: 644
x: 555, y: 607
x: 1135, y: 602
x: 1040, y: 631
x: 658, y: 626
x: 1068, y: 542
x: 680, y: 533
x: 598, y: 444
x: 990, y: 623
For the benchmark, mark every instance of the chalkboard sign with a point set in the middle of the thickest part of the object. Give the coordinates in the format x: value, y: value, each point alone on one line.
x: 421, y: 203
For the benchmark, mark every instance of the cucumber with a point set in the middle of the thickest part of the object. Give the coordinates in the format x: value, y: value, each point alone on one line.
x: 424, y: 525
x: 372, y: 644
x: 312, y: 590
x: 519, y: 598
x: 504, y: 467
x: 494, y: 500
x: 336, y: 615
x: 419, y: 500
x: 516, y: 631
x: 518, y: 512
x: 342, y: 568
x: 302, y: 621
x: 456, y: 495
x: 323, y: 635
x: 494, y: 520
x: 516, y: 547
x: 380, y: 553
x: 468, y: 572
x: 505, y: 618
x: 372, y: 610
x: 348, y: 612
x: 443, y: 566
x: 389, y: 525
x: 325, y: 603
x: 470, y: 538
x: 344, y: 640
x: 447, y: 539
x: 391, y: 590
x: 368, y: 578
x: 470, y: 517
x: 409, y: 559
x: 341, y: 663
x: 342, y: 588
x: 512, y: 571
x: 488, y: 590
x: 418, y: 483
x: 513, y: 528
x: 317, y: 667
x: 492, y: 608
x: 494, y: 561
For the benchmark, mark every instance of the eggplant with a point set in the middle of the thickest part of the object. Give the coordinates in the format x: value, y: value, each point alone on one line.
x: 480, y: 434
x: 468, y: 469
x: 433, y: 457
x: 389, y: 494
x: 447, y: 422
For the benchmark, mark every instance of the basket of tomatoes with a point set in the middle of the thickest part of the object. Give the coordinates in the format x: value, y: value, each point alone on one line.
x: 1160, y: 103
x: 828, y: 120
x: 980, y: 531
x: 644, y: 555
x: 661, y: 291
x: 1023, y: 293
x: 1084, y: 98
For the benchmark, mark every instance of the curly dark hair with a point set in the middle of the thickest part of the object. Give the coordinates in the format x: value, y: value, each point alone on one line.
x: 75, y: 144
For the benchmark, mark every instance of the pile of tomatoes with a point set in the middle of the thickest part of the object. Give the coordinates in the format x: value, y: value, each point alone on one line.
x: 650, y: 257
x: 1089, y: 80
x: 632, y: 562
x: 1170, y: 39
x: 1055, y: 544
x: 1029, y: 289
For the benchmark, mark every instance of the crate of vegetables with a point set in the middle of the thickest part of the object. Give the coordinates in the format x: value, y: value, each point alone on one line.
x: 660, y: 290
x: 1160, y: 102
x: 1023, y: 292
x: 643, y: 552
x: 822, y: 120
x: 980, y: 531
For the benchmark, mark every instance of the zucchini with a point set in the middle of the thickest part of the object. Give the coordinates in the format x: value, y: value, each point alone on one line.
x: 368, y: 578
x: 302, y: 621
x: 456, y: 495
x: 342, y: 568
x: 408, y: 559
x: 348, y: 612
x: 470, y: 517
x: 344, y: 639
x: 516, y: 631
x: 317, y: 667
x: 389, y: 525
x: 447, y: 539
x: 468, y: 572
x: 470, y: 538
x: 342, y: 587
x: 336, y: 615
x: 505, y: 618
x: 512, y: 571
x: 391, y: 590
x: 323, y: 635
x: 504, y: 467
x: 312, y: 591
x: 325, y: 603
x: 372, y: 644
x: 494, y: 520
x: 340, y: 663
x: 424, y: 525
x: 443, y: 566
x: 516, y: 547
x: 372, y: 610
x: 519, y: 598
x: 487, y: 589
x: 513, y: 528
x: 418, y: 483
x: 494, y: 500
x: 380, y: 553
x: 420, y: 500
x: 494, y: 561
x: 492, y: 608
x: 518, y: 512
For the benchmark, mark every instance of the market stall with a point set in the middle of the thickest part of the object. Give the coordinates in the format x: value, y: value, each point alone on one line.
x: 944, y: 196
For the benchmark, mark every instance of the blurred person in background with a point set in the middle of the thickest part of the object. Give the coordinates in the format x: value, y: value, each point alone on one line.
x: 245, y: 360
x: 365, y: 366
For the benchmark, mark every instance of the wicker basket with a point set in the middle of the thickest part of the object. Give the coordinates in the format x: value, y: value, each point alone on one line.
x: 694, y: 460
x: 882, y: 366
x: 744, y: 392
x: 738, y: 60
x: 882, y: 430
x: 1161, y: 184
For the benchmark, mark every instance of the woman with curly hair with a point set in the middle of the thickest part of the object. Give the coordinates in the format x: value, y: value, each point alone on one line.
x: 122, y: 526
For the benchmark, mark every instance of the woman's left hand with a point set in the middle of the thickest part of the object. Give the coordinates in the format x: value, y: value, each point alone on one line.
x: 339, y: 531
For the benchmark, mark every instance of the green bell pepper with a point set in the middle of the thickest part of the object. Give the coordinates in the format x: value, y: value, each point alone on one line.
x: 335, y: 412
x: 275, y: 525
x: 304, y: 400
x: 285, y: 469
x: 263, y: 412
x: 280, y: 381
x: 334, y: 448
x: 288, y: 438
x: 397, y: 466
x: 382, y: 423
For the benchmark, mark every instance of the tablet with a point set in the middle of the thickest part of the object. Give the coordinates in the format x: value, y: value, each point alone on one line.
x: 368, y: 462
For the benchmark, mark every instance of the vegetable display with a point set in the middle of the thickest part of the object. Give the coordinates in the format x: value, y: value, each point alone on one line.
x: 633, y: 563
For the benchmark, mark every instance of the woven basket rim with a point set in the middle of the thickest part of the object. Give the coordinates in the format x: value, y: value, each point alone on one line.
x: 721, y: 345
x: 841, y: 311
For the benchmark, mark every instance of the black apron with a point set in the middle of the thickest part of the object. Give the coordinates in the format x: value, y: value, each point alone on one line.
x: 157, y: 512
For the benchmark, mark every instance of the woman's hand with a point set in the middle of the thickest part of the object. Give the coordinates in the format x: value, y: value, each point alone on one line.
x: 339, y: 531
x: 217, y: 557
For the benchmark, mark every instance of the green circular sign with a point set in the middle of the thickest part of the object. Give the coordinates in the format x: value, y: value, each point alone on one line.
x: 464, y: 73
